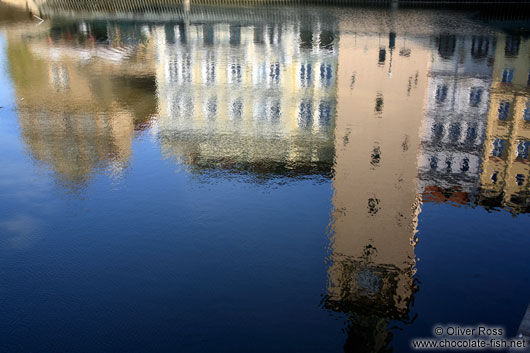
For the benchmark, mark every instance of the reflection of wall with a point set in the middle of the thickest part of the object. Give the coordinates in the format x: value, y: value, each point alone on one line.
x: 455, y: 117
x: 505, y: 168
x: 379, y: 114
x: 76, y: 112
x: 247, y: 96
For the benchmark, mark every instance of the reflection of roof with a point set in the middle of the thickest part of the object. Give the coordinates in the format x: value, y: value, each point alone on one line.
x: 453, y: 195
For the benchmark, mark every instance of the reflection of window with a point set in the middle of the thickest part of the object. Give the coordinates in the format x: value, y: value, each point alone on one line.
x: 235, y: 35
x: 209, y: 68
x: 519, y: 179
x: 207, y: 33
x: 326, y: 40
x: 526, y: 112
x: 235, y: 73
x: 446, y: 47
x: 211, y: 107
x: 454, y: 132
x: 236, y: 109
x: 512, y: 45
x: 433, y: 162
x: 475, y: 96
x: 326, y: 74
x: 59, y: 77
x: 504, y: 110
x: 465, y: 165
x: 498, y: 148
x: 275, y: 111
x: 379, y: 103
x: 306, y: 113
x: 507, y: 75
x: 495, y: 177
x: 306, y: 74
x: 324, y: 113
x: 471, y: 134
x: 274, y: 72
x: 306, y: 39
x: 522, y: 149
x: 437, y: 131
x: 382, y: 56
x: 441, y: 94
x: 258, y: 35
x: 479, y: 47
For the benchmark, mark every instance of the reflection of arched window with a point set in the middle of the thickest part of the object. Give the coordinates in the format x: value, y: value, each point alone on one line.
x: 446, y: 46
x: 498, y: 148
x: 306, y: 39
x: 512, y: 46
x: 479, y: 47
x: 526, y: 112
x: 519, y: 179
x: 522, y: 149
x: 326, y: 40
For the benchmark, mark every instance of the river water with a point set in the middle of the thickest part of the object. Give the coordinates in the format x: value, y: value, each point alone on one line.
x: 260, y: 179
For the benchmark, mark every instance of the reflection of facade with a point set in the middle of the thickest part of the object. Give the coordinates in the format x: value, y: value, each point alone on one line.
x: 247, y: 97
x: 380, y: 109
x: 455, y: 118
x: 77, y: 111
x: 506, y: 164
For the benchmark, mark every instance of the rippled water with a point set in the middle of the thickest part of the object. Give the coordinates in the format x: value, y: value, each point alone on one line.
x: 260, y: 180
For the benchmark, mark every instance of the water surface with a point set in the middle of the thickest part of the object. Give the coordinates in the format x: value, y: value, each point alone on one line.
x: 250, y: 180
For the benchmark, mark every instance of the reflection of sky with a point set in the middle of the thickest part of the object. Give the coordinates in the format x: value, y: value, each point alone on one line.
x: 6, y: 91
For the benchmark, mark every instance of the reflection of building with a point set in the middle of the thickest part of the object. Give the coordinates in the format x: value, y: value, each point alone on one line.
x: 455, y: 118
x: 77, y: 107
x: 257, y: 98
x: 379, y: 114
x: 506, y: 164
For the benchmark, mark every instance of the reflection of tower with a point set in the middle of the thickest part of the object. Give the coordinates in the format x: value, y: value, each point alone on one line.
x: 455, y: 118
x: 375, y: 200
x: 72, y: 119
x: 505, y: 166
x: 258, y: 98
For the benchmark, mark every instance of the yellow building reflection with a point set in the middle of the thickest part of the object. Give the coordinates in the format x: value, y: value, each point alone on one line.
x: 79, y: 99
x: 383, y: 79
x: 505, y: 167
